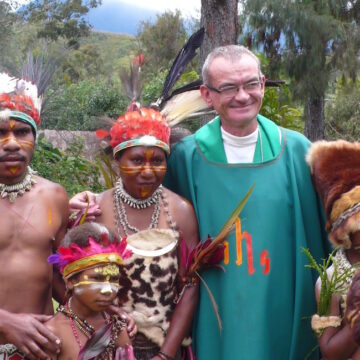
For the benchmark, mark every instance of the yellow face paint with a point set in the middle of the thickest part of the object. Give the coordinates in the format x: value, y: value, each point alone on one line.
x: 104, y: 287
x: 145, y: 191
x: 132, y: 170
x: 149, y: 153
x: 14, y: 169
x: 5, y: 139
x: 12, y: 123
x: 25, y: 144
x: 8, y: 138
x: 108, y: 270
x: 89, y: 282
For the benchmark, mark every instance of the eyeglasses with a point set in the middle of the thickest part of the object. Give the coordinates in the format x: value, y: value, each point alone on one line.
x: 232, y: 90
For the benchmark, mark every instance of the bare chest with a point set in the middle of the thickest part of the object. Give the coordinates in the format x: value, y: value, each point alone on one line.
x: 27, y: 226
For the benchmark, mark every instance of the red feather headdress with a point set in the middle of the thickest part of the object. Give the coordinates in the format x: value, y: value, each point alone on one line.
x: 19, y: 100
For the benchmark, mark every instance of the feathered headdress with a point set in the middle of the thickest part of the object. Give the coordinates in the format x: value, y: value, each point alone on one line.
x: 73, y: 259
x: 151, y: 126
x: 142, y: 126
x: 19, y: 100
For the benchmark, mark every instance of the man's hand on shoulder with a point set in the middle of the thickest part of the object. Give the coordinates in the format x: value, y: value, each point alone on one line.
x: 29, y: 334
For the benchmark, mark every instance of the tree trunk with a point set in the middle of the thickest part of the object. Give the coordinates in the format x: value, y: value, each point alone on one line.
x: 220, y: 20
x: 314, y: 118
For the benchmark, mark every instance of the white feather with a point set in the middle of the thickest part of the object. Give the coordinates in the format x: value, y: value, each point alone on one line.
x: 11, y: 85
x: 183, y: 105
x: 7, y: 84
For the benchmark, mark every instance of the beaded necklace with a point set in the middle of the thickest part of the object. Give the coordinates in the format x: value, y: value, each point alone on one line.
x: 121, y: 197
x: 121, y: 219
x: 74, y: 319
x: 121, y: 193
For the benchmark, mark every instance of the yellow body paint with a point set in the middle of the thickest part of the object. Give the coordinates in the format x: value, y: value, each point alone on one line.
x: 49, y: 217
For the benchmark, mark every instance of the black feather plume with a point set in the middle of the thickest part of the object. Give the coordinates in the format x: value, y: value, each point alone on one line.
x: 185, y: 55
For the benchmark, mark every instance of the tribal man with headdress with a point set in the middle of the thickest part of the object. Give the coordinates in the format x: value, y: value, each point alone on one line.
x: 33, y: 220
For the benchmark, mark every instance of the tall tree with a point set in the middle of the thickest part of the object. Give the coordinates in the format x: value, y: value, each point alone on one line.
x: 220, y: 20
x: 309, y: 38
x: 61, y: 19
x: 160, y: 41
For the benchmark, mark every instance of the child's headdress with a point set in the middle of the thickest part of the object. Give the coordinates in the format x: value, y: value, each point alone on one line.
x: 335, y: 168
x: 73, y: 259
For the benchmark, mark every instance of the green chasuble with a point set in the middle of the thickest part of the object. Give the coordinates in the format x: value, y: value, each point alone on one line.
x: 265, y: 295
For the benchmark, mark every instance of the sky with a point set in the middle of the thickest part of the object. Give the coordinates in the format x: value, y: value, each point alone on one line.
x: 187, y: 7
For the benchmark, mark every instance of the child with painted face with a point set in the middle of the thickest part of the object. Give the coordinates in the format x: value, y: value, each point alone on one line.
x: 89, y: 259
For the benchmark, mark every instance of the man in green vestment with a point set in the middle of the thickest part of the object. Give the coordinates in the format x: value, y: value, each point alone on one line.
x: 265, y: 295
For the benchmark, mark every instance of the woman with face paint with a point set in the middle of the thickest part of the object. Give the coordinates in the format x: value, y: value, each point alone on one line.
x: 157, y: 292
x: 90, y: 260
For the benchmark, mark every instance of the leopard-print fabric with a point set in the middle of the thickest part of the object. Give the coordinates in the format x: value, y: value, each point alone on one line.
x: 148, y: 289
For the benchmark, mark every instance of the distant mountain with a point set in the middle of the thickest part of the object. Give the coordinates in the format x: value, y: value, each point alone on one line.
x: 119, y: 17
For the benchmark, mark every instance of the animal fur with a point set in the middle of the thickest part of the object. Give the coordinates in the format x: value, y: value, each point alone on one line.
x: 335, y: 169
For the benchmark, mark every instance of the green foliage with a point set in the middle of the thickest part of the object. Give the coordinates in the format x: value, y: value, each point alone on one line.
x: 329, y: 285
x: 79, y: 106
x: 82, y: 63
x: 276, y: 108
x: 7, y: 17
x: 162, y: 40
x: 309, y: 40
x: 152, y: 88
x: 67, y: 167
x: 99, y: 56
x: 60, y: 19
x: 105, y: 164
x: 342, y: 112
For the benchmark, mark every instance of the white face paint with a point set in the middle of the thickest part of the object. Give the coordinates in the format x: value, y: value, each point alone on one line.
x: 101, y: 287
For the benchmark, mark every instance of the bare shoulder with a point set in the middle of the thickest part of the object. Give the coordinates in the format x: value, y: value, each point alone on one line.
x: 56, y: 324
x: 104, y: 196
x: 50, y: 188
x: 179, y: 204
x: 184, y: 215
